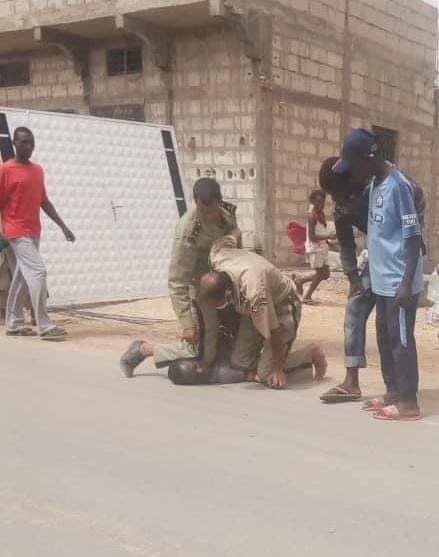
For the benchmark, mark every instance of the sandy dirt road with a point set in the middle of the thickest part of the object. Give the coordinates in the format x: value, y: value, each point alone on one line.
x: 96, y: 465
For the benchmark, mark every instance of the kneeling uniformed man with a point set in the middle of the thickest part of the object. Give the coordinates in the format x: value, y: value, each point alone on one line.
x: 267, y: 300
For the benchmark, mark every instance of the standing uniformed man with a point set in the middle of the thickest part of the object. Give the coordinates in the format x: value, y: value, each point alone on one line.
x: 267, y: 301
x: 195, y: 233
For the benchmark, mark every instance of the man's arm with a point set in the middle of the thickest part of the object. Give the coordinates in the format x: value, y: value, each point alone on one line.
x: 266, y: 322
x: 313, y: 236
x: 348, y: 253
x: 52, y: 213
x: 411, y: 232
x: 181, y: 274
x: 413, y: 252
x: 2, y: 195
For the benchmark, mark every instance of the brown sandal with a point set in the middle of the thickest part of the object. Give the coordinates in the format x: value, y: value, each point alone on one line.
x: 54, y: 334
x: 25, y: 332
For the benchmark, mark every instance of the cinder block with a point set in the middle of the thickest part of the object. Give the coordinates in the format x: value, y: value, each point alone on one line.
x: 225, y: 157
x: 293, y: 62
x: 299, y: 194
x: 319, y: 54
x: 308, y: 148
x: 327, y: 150
x: 309, y: 67
x: 326, y: 73
x: 13, y: 94
x: 319, y: 88
x: 298, y: 128
x: 223, y: 123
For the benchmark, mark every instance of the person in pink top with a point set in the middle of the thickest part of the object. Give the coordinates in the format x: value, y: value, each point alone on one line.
x: 22, y: 196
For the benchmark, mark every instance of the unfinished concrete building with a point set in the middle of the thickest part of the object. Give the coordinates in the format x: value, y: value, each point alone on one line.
x: 259, y: 91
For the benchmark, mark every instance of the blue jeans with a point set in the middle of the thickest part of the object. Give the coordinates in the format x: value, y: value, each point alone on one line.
x: 358, y: 310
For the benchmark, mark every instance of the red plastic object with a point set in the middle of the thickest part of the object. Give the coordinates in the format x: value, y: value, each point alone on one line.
x: 297, y: 234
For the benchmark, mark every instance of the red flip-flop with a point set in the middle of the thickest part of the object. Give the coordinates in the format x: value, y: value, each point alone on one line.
x: 373, y: 405
x: 392, y: 414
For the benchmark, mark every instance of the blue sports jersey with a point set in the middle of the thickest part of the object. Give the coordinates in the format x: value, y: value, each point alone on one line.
x: 392, y: 220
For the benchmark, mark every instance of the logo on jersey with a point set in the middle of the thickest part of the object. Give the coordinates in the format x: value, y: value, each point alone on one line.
x: 376, y: 217
x: 379, y: 201
x: 409, y: 220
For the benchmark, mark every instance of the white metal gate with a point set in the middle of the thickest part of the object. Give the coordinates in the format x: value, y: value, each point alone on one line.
x: 115, y: 185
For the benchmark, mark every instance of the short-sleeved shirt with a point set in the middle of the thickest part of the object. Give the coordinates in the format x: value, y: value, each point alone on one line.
x: 392, y: 220
x: 260, y: 287
x: 22, y: 192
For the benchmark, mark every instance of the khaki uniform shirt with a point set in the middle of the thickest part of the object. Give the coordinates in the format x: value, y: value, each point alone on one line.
x: 260, y: 287
x: 190, y: 257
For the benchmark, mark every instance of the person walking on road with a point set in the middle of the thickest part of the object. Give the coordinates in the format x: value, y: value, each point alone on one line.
x: 22, y: 196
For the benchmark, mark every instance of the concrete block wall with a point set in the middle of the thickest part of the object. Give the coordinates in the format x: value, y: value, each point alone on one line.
x: 308, y: 52
x: 215, y: 117
x: 22, y: 14
x: 334, y: 70
x: 329, y: 70
x: 147, y: 89
x: 392, y: 80
x: 394, y: 52
x: 54, y: 84
x: 209, y: 86
x: 304, y: 136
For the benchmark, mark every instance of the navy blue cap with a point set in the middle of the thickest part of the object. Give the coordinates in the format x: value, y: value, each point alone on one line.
x: 359, y: 144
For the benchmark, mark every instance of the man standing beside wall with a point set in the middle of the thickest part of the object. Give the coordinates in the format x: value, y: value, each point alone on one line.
x: 22, y: 196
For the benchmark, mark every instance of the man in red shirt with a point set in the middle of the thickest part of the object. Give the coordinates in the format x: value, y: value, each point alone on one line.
x: 22, y: 195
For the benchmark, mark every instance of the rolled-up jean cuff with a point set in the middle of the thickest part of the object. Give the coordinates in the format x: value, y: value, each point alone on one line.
x: 355, y: 361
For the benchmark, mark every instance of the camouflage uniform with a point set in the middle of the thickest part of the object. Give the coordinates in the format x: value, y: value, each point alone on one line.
x: 189, y: 262
x: 265, y: 298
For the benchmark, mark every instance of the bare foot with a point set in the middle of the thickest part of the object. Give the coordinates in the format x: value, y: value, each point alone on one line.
x: 147, y: 349
x: 319, y: 362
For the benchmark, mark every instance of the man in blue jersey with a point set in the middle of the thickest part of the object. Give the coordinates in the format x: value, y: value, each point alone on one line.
x: 395, y: 263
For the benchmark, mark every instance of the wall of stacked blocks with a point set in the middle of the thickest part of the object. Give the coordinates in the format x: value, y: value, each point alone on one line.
x: 264, y: 123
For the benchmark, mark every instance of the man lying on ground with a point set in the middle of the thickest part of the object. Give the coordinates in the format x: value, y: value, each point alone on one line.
x: 192, y: 371
x: 187, y: 365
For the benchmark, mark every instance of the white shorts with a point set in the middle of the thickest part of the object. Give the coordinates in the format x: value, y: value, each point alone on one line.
x: 318, y: 257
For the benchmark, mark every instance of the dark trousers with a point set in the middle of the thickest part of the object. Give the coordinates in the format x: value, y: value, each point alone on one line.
x: 397, y: 346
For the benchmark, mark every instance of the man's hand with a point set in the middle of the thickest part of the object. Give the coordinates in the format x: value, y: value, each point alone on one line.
x: 403, y: 296
x: 190, y: 335
x: 70, y: 237
x: 277, y: 379
x: 355, y: 288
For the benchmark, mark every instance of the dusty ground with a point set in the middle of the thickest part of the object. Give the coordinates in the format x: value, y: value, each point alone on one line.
x: 323, y: 323
x: 93, y: 464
